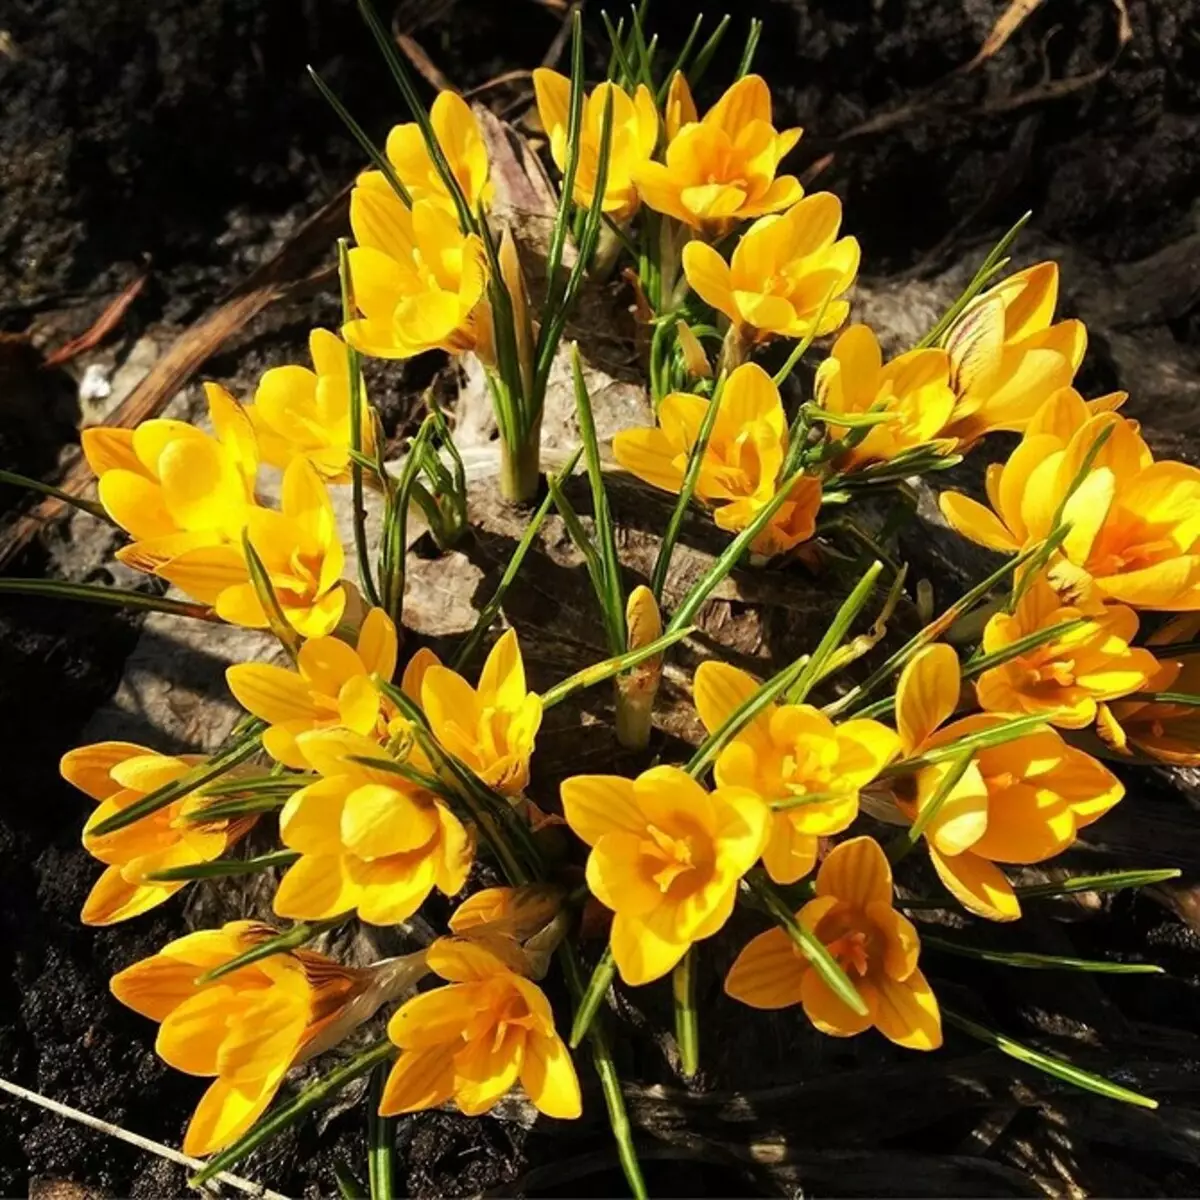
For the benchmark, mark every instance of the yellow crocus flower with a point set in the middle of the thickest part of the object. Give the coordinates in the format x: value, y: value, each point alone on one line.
x: 116, y: 775
x: 782, y: 270
x: 471, y: 1041
x: 298, y: 413
x: 1006, y: 355
x: 1135, y: 530
x: 300, y: 548
x: 666, y: 857
x: 1063, y: 679
x: 490, y: 728
x: 1020, y: 802
x: 741, y: 465
x: 330, y: 686
x: 792, y: 752
x: 913, y: 388
x: 634, y: 136
x: 462, y: 143
x: 368, y: 839
x: 876, y: 946
x: 246, y: 1028
x: 721, y: 170
x: 417, y: 279
x: 172, y: 486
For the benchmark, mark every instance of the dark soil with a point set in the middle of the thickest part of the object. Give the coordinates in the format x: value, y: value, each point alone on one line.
x: 185, y: 133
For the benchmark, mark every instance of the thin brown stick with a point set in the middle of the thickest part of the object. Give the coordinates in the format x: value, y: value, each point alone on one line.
x: 108, y: 320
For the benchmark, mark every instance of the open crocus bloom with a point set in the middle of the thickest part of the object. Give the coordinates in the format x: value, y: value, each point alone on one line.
x: 471, y: 1041
x: 462, y: 143
x: 490, y: 728
x: 418, y: 279
x: 1066, y: 677
x: 721, y: 170
x: 1135, y: 523
x: 330, y: 686
x: 741, y: 464
x: 783, y: 270
x: 666, y: 858
x: 368, y: 839
x: 300, y: 548
x: 1007, y: 356
x: 876, y: 946
x: 634, y: 136
x: 302, y: 413
x: 914, y: 389
x: 793, y: 754
x: 116, y: 775
x: 246, y: 1028
x: 1020, y: 802
x: 171, y: 486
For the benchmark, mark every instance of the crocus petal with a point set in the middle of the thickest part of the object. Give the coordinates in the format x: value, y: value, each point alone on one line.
x: 978, y: 885
x: 642, y: 954
x: 767, y: 973
x: 907, y: 1012
x: 272, y: 693
x: 420, y: 1079
x: 595, y: 805
x: 827, y: 1011
x: 227, y: 1110
x: 708, y: 276
x: 977, y: 523
x: 926, y: 694
x: 378, y: 644
x: 549, y: 1079
x: 857, y: 872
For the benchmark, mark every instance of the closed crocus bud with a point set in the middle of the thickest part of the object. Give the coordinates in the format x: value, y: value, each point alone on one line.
x: 694, y: 357
x: 637, y: 687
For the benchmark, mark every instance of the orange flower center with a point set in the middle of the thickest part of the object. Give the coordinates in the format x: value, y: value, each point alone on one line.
x: 1044, y: 670
x: 852, y: 940
x: 669, y: 858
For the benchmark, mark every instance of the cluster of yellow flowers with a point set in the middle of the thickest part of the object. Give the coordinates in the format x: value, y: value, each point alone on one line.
x: 387, y: 792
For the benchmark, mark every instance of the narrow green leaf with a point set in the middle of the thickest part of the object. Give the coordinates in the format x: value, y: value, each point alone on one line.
x: 698, y: 68
x: 1109, y: 881
x: 628, y: 75
x: 1039, y: 962
x: 982, y: 277
x: 288, y: 1113
x: 1050, y: 1064
x: 912, y: 835
x: 984, y: 739
x: 225, y: 868
x: 348, y: 1186
x: 867, y: 420
x: 396, y: 65
x: 599, y: 672
x: 732, y: 555
x: 489, y: 612
x: 1184, y: 699
x: 680, y: 62
x: 368, y: 147
x: 593, y: 996
x: 381, y: 1139
x: 752, y: 38
x: 687, y: 490
x: 279, y: 625
x: 687, y: 1019
x: 805, y: 941
x: 90, y: 593
x: 36, y: 485
x: 246, y: 747
x: 411, y: 774
x: 612, y: 598
x: 241, y: 806
x: 289, y: 939
x: 358, y: 505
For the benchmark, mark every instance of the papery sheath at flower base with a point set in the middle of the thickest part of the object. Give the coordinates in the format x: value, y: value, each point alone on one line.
x: 722, y: 169
x: 116, y: 775
x: 173, y: 487
x: 490, y: 728
x: 666, y: 857
x: 783, y: 270
x: 877, y: 947
x: 741, y: 465
x: 246, y: 1028
x: 471, y: 1041
x: 1020, y: 802
x: 633, y: 138
x: 1007, y: 356
x: 1134, y: 536
x: 369, y: 840
x: 462, y: 143
x: 330, y: 686
x: 298, y: 412
x: 792, y: 752
x: 914, y: 389
x: 1066, y: 678
x: 417, y: 279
